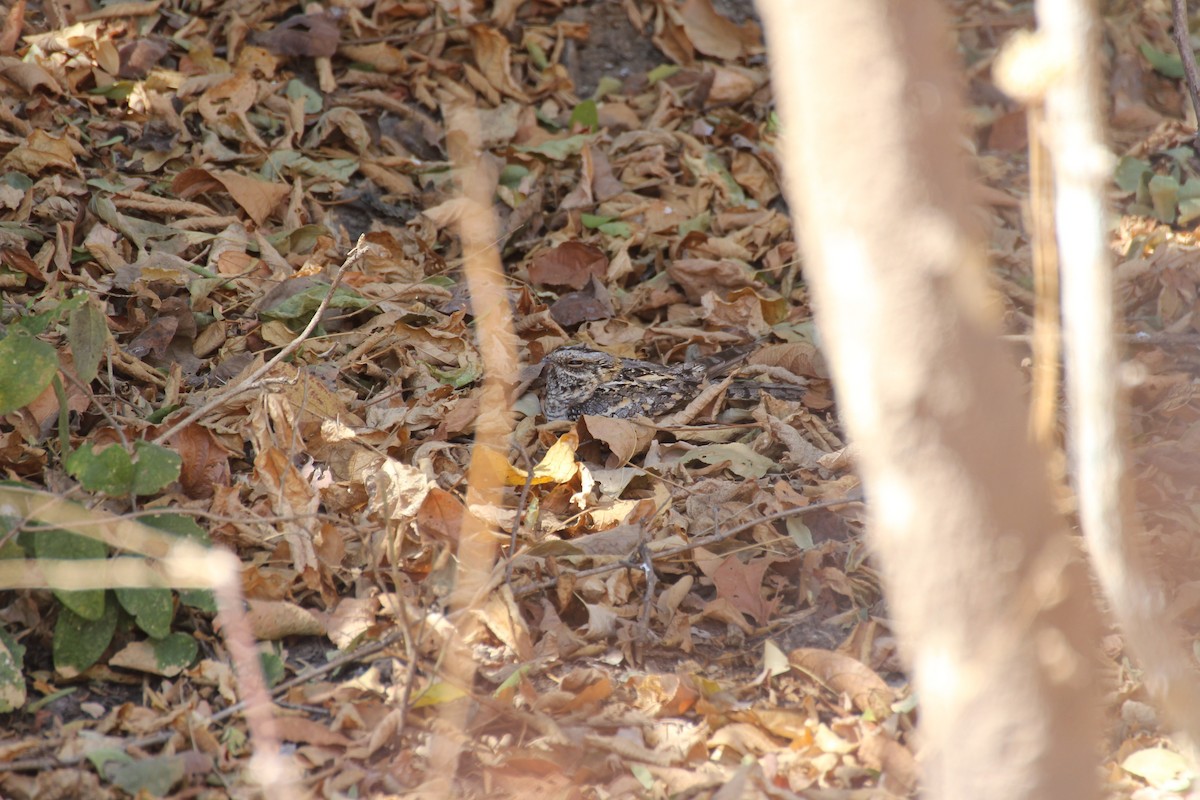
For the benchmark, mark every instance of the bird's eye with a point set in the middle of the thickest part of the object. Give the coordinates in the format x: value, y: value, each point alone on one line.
x: 575, y: 362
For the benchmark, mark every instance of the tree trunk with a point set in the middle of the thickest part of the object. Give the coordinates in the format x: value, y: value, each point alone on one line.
x: 989, y: 597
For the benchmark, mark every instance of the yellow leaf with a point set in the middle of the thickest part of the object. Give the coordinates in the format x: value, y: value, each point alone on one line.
x: 558, y: 465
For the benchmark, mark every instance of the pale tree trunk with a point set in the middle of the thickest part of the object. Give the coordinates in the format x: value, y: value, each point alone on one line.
x: 989, y: 600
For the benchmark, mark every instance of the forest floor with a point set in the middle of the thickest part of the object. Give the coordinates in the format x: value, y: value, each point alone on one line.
x: 684, y: 609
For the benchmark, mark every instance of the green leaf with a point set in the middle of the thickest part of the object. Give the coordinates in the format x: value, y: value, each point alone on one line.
x: 558, y: 149
x: 298, y: 240
x: 1129, y: 172
x: 117, y: 90
x: 175, y: 653
x: 79, y: 642
x: 154, y: 467
x: 155, y: 776
x: 182, y: 525
x: 114, y: 472
x: 185, y: 527
x: 1189, y: 210
x: 87, y: 333
x: 606, y: 86
x: 1164, y: 194
x: 110, y: 470
x: 585, y: 115
x: 1167, y: 64
x: 512, y: 175
x: 594, y: 221
x: 27, y: 365
x: 104, y: 755
x: 609, y: 225
x: 537, y: 55
x: 701, y: 222
x: 12, y: 678
x: 661, y: 73
x: 152, y: 609
x: 299, y: 89
x: 299, y: 308
x: 457, y: 377
x: 60, y: 544
x: 272, y: 666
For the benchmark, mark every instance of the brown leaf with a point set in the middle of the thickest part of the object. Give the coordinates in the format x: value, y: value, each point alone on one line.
x: 440, y: 515
x: 574, y: 308
x: 714, y: 35
x: 39, y: 152
x: 309, y: 35
x: 140, y: 56
x: 258, y: 197
x: 844, y: 675
x: 571, y: 265
x: 205, y: 462
x: 625, y: 438
x: 493, y: 56
x: 273, y: 620
x: 741, y: 585
x: 699, y: 275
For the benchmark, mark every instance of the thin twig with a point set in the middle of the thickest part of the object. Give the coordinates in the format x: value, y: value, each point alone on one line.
x: 251, y: 380
x: 156, y: 739
x: 703, y: 541
x: 1182, y: 34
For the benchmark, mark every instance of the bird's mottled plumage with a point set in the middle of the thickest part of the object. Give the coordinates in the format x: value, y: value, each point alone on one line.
x: 580, y: 380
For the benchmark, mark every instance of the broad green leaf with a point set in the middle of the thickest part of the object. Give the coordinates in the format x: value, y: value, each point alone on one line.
x: 152, y: 609
x: 585, y: 115
x: 87, y: 333
x: 109, y: 470
x: 512, y: 175
x: 606, y: 86
x: 114, y: 472
x: 1167, y: 64
x: 457, y: 377
x: 620, y: 229
x: 1189, y: 210
x: 299, y: 308
x: 559, y: 149
x: 79, y: 642
x: 185, y: 527
x: 182, y: 525
x: 609, y: 225
x: 154, y: 467
x: 12, y: 677
x: 175, y: 652
x: 299, y: 89
x: 1129, y: 172
x: 27, y: 365
x: 272, y: 666
x: 104, y: 755
x: 154, y: 776
x: 59, y: 544
x: 1164, y: 194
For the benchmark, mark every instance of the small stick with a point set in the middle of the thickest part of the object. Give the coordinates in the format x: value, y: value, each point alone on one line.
x: 704, y: 541
x: 1182, y: 35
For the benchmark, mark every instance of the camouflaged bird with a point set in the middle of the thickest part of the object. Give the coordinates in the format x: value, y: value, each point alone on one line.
x: 580, y: 380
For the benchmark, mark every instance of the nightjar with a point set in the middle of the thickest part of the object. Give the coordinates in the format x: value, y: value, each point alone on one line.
x: 580, y: 380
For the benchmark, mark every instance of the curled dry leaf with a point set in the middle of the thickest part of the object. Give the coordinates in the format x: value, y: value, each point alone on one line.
x: 844, y: 675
